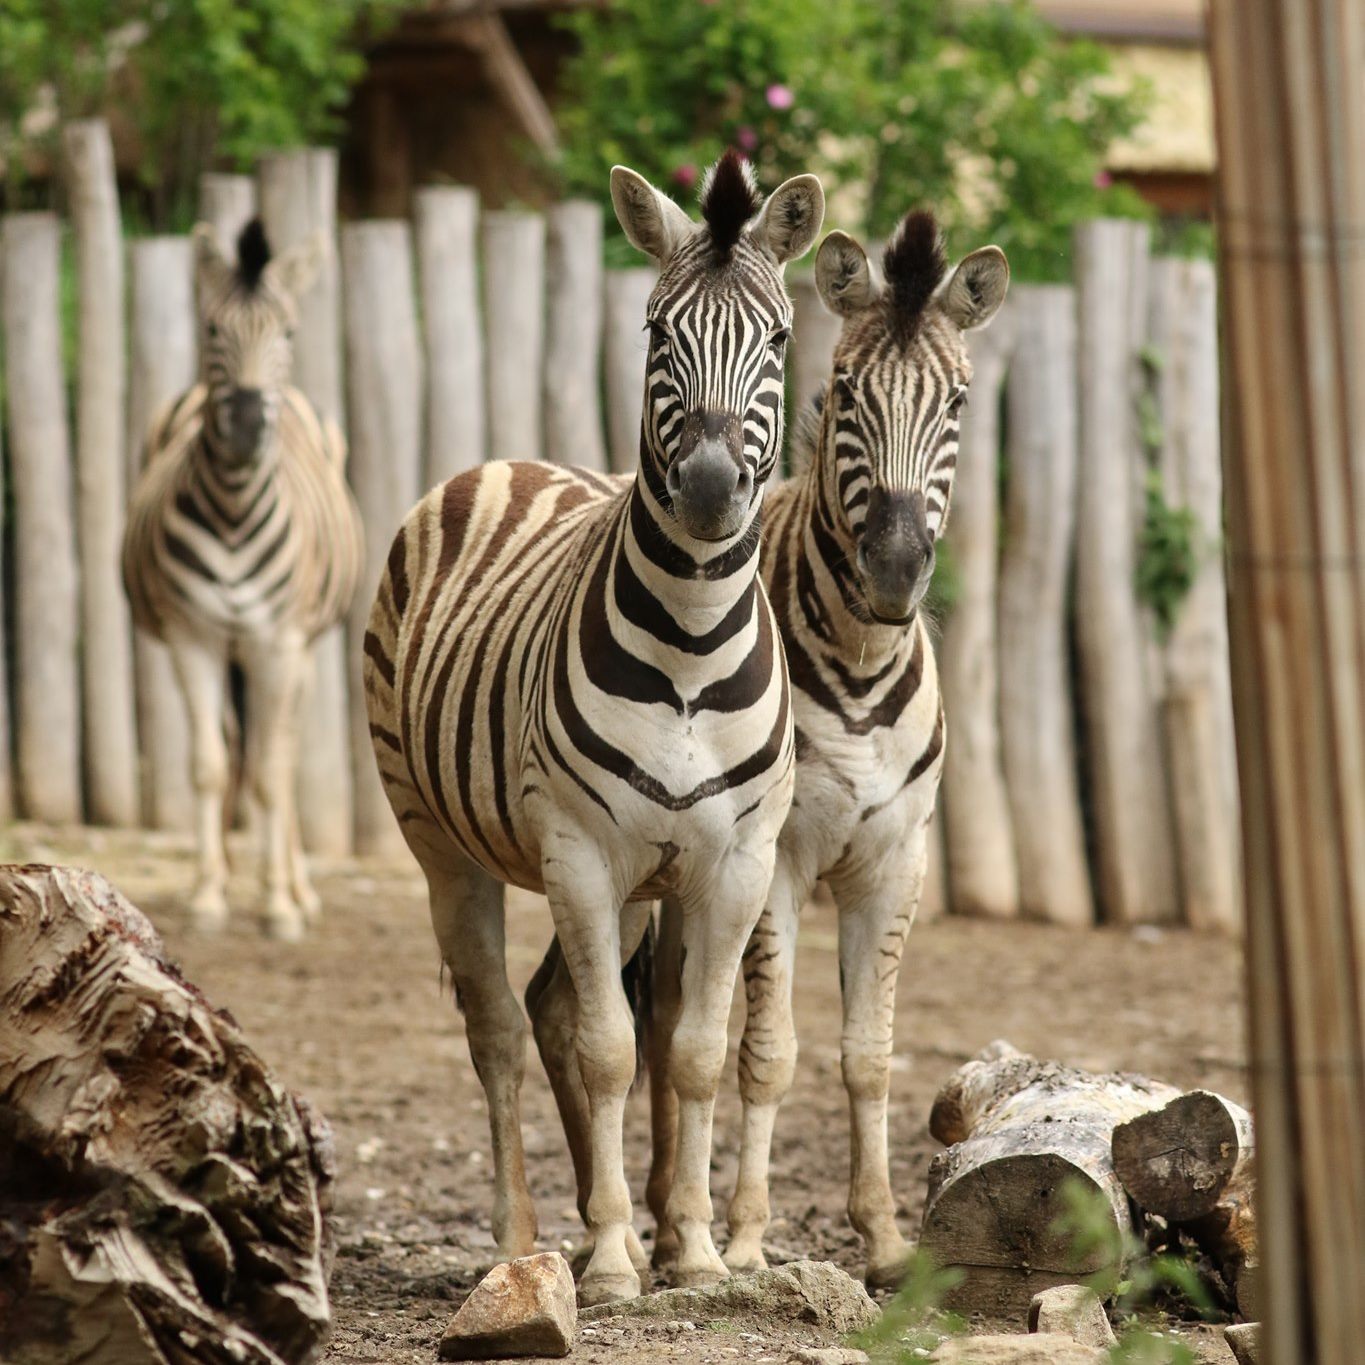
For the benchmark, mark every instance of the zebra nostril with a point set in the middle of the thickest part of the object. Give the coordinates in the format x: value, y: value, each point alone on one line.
x: 673, y: 480
x: 745, y: 487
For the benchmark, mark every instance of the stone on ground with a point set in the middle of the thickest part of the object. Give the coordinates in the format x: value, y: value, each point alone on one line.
x: 1245, y: 1341
x: 1047, y: 1348
x: 817, y: 1293
x: 1072, y: 1310
x: 525, y: 1307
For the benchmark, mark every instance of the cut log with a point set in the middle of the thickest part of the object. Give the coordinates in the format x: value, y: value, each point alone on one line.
x: 573, y: 335
x: 514, y: 329
x: 164, y: 1197
x: 1227, y: 1235
x: 1023, y: 1130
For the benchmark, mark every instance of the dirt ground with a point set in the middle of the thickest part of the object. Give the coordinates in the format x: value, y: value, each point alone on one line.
x: 356, y: 1019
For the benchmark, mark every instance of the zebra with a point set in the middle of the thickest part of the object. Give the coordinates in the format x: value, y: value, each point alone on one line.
x: 578, y: 688
x: 243, y: 544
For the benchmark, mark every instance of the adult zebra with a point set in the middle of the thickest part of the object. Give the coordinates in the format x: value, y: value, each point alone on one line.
x: 578, y: 688
x: 242, y: 546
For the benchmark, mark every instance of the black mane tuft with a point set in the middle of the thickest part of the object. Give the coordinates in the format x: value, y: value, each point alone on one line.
x: 729, y: 198
x: 914, y: 264
x: 253, y: 254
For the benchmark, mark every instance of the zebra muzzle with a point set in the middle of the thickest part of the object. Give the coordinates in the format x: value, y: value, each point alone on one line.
x: 895, y: 555
x: 709, y: 484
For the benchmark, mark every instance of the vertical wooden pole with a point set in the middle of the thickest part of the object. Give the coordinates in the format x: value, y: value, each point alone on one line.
x: 47, y: 692
x: 1288, y: 78
x: 447, y: 224
x: 1135, y: 862
x: 980, y: 845
x: 627, y: 293
x: 514, y: 328
x: 573, y: 335
x: 1036, y: 715
x: 1197, y: 708
x: 298, y: 198
x: 384, y: 363
x: 815, y: 333
x: 106, y: 629
x: 163, y: 346
x: 228, y: 202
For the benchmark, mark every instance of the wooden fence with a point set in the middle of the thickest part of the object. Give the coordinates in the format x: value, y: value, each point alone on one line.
x: 1090, y: 772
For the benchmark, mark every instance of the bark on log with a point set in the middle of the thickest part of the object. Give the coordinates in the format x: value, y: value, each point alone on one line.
x: 447, y: 221
x: 980, y: 842
x: 1228, y: 1236
x: 162, y: 348
x: 573, y: 335
x: 164, y: 1197
x: 298, y: 194
x: 108, y: 708
x: 1036, y: 716
x: 626, y: 353
x: 228, y: 202
x: 385, y: 377
x: 1023, y: 1130
x: 47, y: 691
x: 514, y: 327
x: 1197, y: 703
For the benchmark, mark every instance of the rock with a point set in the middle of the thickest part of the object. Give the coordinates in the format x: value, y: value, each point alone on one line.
x: 1071, y: 1310
x: 1046, y: 1348
x: 525, y: 1307
x: 1245, y: 1341
x: 828, y: 1355
x: 813, y: 1292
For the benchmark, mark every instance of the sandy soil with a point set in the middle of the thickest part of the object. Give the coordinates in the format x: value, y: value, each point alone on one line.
x: 357, y: 1019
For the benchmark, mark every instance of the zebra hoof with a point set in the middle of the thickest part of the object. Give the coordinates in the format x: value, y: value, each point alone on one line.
x: 607, y: 1288
x: 636, y: 1252
x: 888, y: 1274
x: 703, y: 1277
x: 208, y: 910
x: 283, y: 925
x: 743, y: 1255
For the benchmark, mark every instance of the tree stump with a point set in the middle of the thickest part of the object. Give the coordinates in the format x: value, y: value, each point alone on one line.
x: 163, y: 1198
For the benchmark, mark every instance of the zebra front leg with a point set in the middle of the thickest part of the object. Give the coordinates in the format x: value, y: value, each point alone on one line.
x: 300, y: 883
x: 201, y: 669
x: 876, y: 908
x: 663, y: 1099
x: 767, y: 1063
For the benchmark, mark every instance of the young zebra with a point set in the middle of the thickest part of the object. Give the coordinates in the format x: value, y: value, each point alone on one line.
x: 578, y: 688
x: 243, y: 544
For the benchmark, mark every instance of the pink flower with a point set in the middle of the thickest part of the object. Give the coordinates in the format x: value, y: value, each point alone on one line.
x: 1103, y: 180
x: 745, y: 138
x: 685, y: 175
x: 779, y: 97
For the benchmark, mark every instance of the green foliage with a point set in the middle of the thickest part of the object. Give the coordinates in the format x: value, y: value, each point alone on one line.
x: 913, y: 1318
x: 199, y: 81
x: 978, y: 110
x: 945, y: 588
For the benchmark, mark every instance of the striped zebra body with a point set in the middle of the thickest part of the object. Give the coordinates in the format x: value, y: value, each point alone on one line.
x: 242, y: 546
x: 577, y: 687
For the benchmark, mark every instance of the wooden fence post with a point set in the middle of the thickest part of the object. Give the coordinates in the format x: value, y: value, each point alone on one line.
x: 228, y: 202
x: 1287, y: 79
x: 108, y: 707
x: 1135, y: 862
x: 573, y: 335
x: 1201, y: 744
x: 47, y: 691
x: 815, y: 333
x: 447, y: 222
x: 980, y: 846
x: 298, y: 197
x: 1036, y: 709
x: 627, y: 293
x: 384, y: 370
x: 163, y: 348
x: 514, y: 330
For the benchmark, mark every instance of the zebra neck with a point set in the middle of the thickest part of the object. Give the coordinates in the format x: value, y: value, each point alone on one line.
x: 232, y: 493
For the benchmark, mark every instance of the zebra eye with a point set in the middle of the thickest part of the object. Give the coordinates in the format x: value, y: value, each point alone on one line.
x: 658, y: 333
x: 780, y: 337
x: 957, y: 402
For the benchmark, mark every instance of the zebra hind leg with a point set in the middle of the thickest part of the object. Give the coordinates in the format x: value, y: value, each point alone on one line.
x: 663, y: 1099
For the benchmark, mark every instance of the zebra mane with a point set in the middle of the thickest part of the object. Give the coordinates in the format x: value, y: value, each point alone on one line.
x: 805, y: 434
x: 914, y: 264
x: 729, y: 198
x: 253, y: 254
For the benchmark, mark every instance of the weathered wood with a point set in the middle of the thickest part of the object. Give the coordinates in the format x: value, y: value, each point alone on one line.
x: 297, y: 199
x: 1134, y: 854
x: 815, y: 332
x: 446, y: 222
x: 514, y: 330
x: 385, y: 383
x: 1197, y: 701
x: 162, y: 354
x: 1227, y: 1234
x: 573, y: 335
x: 164, y: 1197
x: 228, y: 203
x: 1036, y: 716
x: 47, y: 688
x: 980, y: 842
x: 1022, y: 1131
x: 626, y: 353
x: 108, y: 709
x: 515, y: 85
x: 1291, y: 130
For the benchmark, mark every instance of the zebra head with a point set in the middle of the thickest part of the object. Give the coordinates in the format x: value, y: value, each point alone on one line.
x: 247, y: 312
x: 891, y: 414
x: 718, y: 323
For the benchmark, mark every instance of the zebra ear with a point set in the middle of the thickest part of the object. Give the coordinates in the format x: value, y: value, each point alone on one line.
x: 214, y: 269
x: 974, y: 293
x: 652, y: 222
x: 790, y: 221
x: 842, y: 275
x: 294, y: 271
